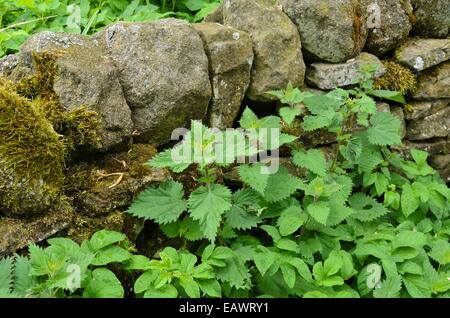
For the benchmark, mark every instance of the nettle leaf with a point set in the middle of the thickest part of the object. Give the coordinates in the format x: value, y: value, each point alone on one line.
x: 281, y: 185
x: 389, y: 288
x: 365, y: 104
x: 313, y: 160
x: 187, y: 228
x: 338, y: 213
x: 384, y: 129
x: 288, y: 114
x: 291, y: 220
x: 386, y: 94
x: 167, y: 291
x: 311, y: 123
x: 207, y: 206
x: 367, y: 209
x: 111, y: 254
x: 242, y: 215
x: 253, y: 176
x: 6, y: 275
x: 409, y: 201
x: 319, y: 211
x: 352, y: 150
x: 235, y: 273
x: 368, y: 278
x: 440, y: 251
x: 165, y: 160
x: 250, y: 121
x: 103, y: 284
x: 263, y: 259
x: 104, y: 238
x: 164, y: 204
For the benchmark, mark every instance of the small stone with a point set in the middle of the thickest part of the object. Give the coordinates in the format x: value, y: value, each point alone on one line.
x: 276, y: 44
x: 434, y: 83
x: 230, y: 54
x: 420, y: 54
x: 331, y: 30
x: 163, y: 72
x: 393, y: 29
x: 435, y: 125
x: 432, y: 18
x: 440, y: 161
x: 329, y: 76
x: 422, y: 109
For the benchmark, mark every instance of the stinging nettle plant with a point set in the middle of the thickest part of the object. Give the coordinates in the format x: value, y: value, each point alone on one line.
x: 360, y: 222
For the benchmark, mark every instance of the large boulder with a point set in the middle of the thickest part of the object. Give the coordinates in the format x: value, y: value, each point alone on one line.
x: 432, y: 18
x: 85, y: 77
x: 276, y: 43
x: 394, y: 27
x: 435, y: 125
x: 230, y: 54
x: 434, y: 83
x: 331, y: 30
x: 419, y: 54
x: 163, y: 73
x: 329, y: 75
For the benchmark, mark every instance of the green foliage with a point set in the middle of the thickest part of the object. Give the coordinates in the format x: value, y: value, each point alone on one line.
x: 66, y: 269
x: 362, y: 222
x: 21, y: 18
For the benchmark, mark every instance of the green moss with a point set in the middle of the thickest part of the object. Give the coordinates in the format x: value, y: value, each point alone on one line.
x: 397, y: 78
x: 38, y: 136
x: 79, y: 126
x: 30, y: 146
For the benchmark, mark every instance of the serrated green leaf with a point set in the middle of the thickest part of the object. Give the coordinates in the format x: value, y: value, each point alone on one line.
x: 384, y: 129
x: 207, y: 206
x: 367, y: 209
x: 291, y: 220
x: 313, y: 160
x: 319, y: 211
x: 164, y: 204
x: 409, y: 201
x: 389, y: 288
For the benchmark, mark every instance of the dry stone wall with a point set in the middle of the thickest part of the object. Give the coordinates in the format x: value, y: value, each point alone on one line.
x: 146, y: 79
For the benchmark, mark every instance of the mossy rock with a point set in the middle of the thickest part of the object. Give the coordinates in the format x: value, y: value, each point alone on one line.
x: 38, y: 137
x: 112, y: 182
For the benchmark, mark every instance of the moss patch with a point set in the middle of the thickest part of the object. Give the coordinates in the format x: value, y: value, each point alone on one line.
x: 397, y: 78
x: 38, y: 136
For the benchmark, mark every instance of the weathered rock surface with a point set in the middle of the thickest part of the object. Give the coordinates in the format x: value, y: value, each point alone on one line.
x: 16, y: 234
x: 112, y: 182
x: 433, y: 147
x: 230, y: 54
x: 434, y: 83
x: 85, y: 78
x: 421, y: 109
x: 432, y: 18
x: 435, y: 125
x: 7, y: 64
x: 420, y: 54
x: 163, y: 73
x: 331, y: 30
x: 329, y: 76
x: 19, y: 197
x: 440, y: 161
x: 393, y: 29
x: 276, y: 44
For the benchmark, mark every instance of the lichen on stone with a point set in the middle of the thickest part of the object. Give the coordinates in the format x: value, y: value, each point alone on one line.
x: 397, y: 78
